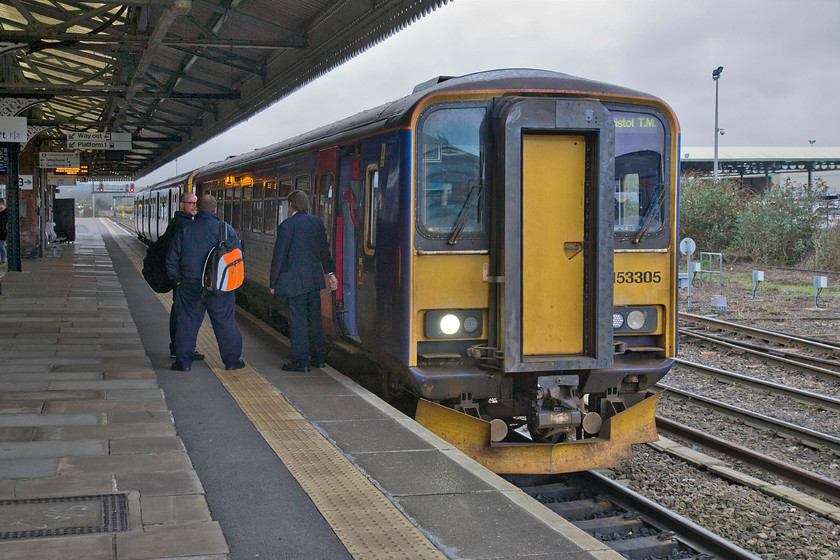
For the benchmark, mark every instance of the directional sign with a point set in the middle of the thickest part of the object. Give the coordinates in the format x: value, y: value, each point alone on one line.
x: 51, y: 160
x: 13, y: 129
x: 26, y: 182
x: 98, y: 145
x: 100, y: 136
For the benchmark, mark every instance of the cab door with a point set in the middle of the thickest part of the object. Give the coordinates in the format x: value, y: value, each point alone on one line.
x: 555, y: 252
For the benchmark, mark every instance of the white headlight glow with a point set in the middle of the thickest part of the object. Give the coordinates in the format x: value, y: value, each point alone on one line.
x: 449, y: 324
x: 618, y: 320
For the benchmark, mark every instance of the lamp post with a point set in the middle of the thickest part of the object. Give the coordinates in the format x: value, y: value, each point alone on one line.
x: 715, y: 76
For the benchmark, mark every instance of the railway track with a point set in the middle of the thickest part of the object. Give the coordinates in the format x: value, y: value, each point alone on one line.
x: 785, y: 345
x: 629, y: 523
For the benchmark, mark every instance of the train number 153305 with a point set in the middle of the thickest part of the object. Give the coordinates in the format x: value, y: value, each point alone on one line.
x: 638, y: 277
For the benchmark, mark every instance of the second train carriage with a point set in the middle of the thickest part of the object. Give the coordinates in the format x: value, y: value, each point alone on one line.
x: 505, y: 245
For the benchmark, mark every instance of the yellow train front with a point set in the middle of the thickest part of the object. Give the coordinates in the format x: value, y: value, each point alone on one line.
x: 505, y: 244
x: 541, y: 268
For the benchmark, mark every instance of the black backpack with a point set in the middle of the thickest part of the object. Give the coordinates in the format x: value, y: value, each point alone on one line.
x: 154, y: 268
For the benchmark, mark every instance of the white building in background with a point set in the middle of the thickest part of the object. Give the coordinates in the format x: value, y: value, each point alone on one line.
x: 761, y: 166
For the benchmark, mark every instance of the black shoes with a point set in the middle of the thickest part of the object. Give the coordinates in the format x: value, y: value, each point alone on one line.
x: 290, y: 366
x: 197, y: 356
x: 315, y: 364
x: 177, y: 367
x: 238, y: 365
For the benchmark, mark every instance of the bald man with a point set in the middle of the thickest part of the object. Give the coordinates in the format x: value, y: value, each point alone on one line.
x: 187, y: 210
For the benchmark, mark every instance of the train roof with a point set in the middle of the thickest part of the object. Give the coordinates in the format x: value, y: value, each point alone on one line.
x: 397, y: 112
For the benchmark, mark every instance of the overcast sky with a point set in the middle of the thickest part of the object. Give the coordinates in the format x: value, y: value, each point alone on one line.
x: 780, y: 85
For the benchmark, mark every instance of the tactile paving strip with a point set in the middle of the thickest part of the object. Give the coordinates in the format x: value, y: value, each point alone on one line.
x: 367, y: 523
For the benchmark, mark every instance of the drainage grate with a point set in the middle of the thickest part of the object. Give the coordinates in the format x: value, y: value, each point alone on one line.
x: 73, y: 515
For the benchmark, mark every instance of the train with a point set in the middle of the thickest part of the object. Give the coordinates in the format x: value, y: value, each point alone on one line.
x: 506, y: 251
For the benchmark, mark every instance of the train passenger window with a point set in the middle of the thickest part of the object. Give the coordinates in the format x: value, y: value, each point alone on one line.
x: 270, y: 189
x: 285, y: 187
x: 303, y: 183
x: 236, y: 216
x: 246, y: 216
x: 257, y: 216
x: 283, y: 211
x: 270, y: 217
x: 257, y: 191
x: 641, y: 196
x: 371, y: 207
x: 228, y: 213
x: 325, y: 202
x: 451, y: 189
x: 246, y: 193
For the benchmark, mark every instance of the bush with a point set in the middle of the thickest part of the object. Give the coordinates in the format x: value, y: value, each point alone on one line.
x: 709, y: 211
x: 827, y: 248
x: 778, y: 227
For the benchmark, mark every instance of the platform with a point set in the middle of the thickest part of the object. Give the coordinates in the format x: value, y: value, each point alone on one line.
x: 106, y: 453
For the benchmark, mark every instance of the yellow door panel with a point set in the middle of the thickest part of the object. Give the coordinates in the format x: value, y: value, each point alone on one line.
x: 553, y: 178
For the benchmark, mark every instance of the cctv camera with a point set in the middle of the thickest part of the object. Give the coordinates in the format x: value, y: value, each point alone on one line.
x: 722, y: 132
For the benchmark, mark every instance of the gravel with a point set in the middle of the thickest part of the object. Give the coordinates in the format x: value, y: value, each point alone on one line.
x: 765, y: 526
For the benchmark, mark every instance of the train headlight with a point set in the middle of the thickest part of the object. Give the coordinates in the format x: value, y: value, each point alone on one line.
x: 453, y: 323
x: 449, y: 324
x: 636, y: 319
x: 641, y: 319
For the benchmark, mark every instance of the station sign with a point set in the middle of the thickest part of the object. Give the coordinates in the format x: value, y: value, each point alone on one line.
x: 51, y: 160
x: 99, y: 141
x: 61, y: 180
x: 13, y: 130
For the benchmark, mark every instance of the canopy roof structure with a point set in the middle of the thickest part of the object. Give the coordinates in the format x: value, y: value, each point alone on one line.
x: 172, y: 74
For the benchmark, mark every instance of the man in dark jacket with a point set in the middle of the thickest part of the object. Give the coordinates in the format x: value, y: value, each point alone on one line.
x: 184, y: 265
x: 301, y: 258
x: 186, y: 211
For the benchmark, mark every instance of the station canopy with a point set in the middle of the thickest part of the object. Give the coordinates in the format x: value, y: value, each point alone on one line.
x: 172, y: 74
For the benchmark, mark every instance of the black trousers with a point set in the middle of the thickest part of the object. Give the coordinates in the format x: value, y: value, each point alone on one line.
x: 306, y: 333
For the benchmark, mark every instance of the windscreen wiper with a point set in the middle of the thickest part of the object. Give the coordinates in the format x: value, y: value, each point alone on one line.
x: 657, y: 204
x: 473, y: 196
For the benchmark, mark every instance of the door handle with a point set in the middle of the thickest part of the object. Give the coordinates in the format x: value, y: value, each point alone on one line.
x: 572, y: 248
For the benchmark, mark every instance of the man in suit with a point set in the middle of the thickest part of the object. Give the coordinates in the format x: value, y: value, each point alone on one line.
x: 301, y: 258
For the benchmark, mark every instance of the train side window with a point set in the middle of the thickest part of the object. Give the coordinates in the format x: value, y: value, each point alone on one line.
x: 246, y: 215
x: 325, y: 202
x: 257, y: 216
x: 303, y: 183
x: 257, y: 190
x: 371, y: 207
x: 236, y: 216
x: 270, y: 218
x: 285, y: 187
x: 283, y: 211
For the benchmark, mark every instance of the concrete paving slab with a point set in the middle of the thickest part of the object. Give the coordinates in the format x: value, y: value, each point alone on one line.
x: 173, y: 483
x: 183, y: 539
x: 99, y: 483
x: 327, y: 408
x: 79, y: 419
x: 11, y: 450
x: 139, y: 417
x: 28, y: 468
x: 105, y: 431
x: 21, y: 407
x: 151, y: 405
x: 162, y: 510
x: 117, y: 464
x: 89, y: 547
x: 23, y: 433
x: 365, y: 436
x: 389, y: 470
x: 132, y: 446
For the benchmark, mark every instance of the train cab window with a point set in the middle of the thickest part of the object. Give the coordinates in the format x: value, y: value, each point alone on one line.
x: 451, y: 197
x: 641, y: 194
x: 371, y: 207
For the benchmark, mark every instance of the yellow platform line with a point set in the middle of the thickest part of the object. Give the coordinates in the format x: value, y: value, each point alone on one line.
x: 366, y: 522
